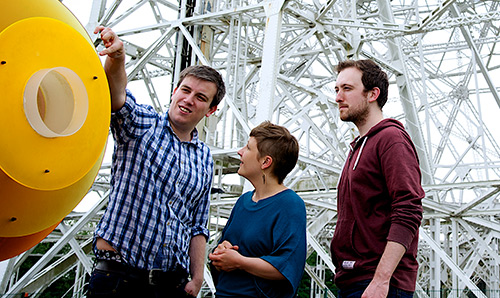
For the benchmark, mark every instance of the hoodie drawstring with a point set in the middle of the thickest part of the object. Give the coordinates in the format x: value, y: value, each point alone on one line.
x: 359, y: 154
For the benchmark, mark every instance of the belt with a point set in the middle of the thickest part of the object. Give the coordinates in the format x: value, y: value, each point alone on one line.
x: 155, y: 277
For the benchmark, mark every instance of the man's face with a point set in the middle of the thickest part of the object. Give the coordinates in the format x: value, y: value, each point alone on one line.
x: 351, y: 98
x: 190, y: 103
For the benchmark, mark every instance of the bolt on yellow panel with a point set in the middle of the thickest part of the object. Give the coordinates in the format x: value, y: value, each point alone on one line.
x: 24, y: 211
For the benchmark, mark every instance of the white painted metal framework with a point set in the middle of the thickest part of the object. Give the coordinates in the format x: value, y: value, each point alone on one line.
x: 278, y: 59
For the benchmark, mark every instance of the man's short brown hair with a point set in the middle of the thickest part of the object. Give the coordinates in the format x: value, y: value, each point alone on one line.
x: 205, y: 73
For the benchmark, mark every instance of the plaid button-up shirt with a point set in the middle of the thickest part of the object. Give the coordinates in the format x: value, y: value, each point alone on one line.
x: 160, y: 189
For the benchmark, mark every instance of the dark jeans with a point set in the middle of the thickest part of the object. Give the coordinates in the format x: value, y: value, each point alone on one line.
x: 357, y: 289
x: 122, y: 285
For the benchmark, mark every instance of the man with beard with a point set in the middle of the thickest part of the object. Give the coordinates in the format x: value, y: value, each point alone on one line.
x: 375, y: 242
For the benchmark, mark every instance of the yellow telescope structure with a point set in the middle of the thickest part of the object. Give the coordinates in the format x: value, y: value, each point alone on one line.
x: 54, y: 119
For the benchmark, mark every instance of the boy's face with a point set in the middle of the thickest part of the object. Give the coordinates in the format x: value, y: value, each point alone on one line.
x: 190, y: 103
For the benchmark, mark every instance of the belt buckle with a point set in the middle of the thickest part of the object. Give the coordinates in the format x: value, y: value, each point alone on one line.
x: 155, y: 277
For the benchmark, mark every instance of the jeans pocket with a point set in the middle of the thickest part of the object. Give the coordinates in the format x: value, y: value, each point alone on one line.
x: 104, y: 284
x: 355, y: 290
x: 398, y: 293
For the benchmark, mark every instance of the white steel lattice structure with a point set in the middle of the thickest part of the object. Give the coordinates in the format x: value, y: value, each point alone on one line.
x: 278, y: 59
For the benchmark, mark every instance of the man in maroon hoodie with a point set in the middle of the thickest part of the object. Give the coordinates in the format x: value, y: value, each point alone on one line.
x: 374, y: 246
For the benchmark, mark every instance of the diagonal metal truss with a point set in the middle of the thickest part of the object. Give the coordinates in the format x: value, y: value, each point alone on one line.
x: 278, y: 59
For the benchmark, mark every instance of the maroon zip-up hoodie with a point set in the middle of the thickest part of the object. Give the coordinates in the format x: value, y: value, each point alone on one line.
x: 379, y: 200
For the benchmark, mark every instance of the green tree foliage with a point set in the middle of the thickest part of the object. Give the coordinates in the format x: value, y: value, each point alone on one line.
x: 304, y: 290
x: 61, y: 286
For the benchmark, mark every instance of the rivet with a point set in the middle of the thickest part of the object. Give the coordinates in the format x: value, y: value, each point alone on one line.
x: 13, y: 219
x: 95, y: 77
x: 47, y: 171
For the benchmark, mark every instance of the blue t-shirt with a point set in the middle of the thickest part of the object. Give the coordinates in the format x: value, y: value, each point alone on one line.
x: 273, y: 229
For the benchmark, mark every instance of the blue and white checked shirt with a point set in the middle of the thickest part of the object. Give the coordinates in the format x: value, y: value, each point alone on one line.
x: 160, y: 190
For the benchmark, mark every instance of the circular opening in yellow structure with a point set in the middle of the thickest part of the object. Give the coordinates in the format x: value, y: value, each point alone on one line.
x: 55, y: 102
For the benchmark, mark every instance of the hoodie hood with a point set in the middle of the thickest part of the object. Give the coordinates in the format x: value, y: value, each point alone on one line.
x: 384, y: 124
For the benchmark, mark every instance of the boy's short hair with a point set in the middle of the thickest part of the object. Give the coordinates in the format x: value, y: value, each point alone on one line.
x: 205, y: 73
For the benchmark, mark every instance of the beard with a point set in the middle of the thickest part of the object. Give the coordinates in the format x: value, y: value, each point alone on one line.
x: 356, y: 115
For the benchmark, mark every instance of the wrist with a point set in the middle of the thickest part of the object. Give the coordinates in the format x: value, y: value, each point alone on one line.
x: 382, y: 277
x: 197, y: 281
x: 243, y: 263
